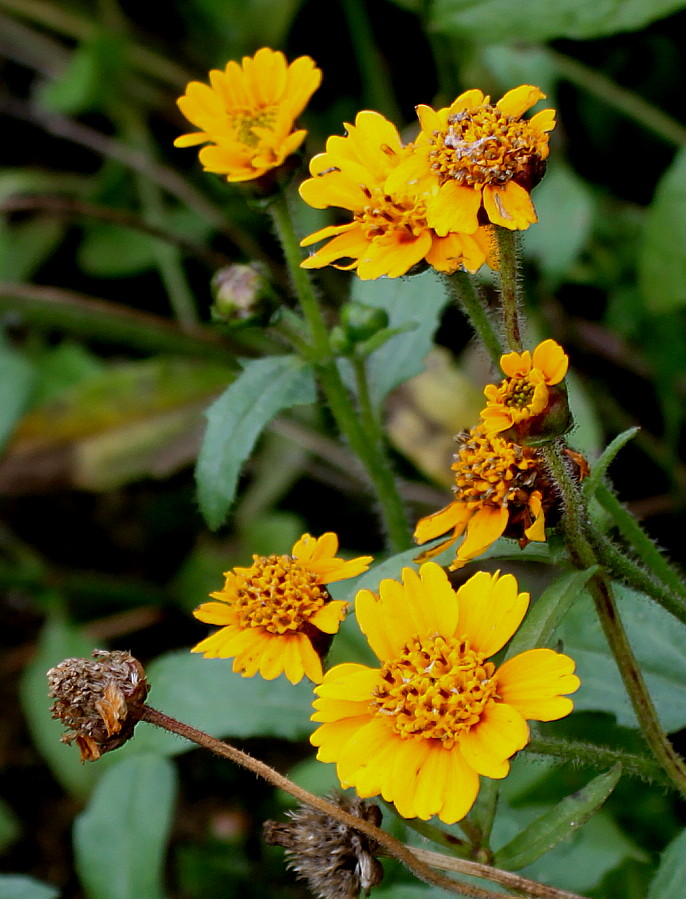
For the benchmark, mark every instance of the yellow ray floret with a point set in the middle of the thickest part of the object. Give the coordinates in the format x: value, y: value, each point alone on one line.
x: 436, y: 714
x: 247, y: 114
x: 274, y: 616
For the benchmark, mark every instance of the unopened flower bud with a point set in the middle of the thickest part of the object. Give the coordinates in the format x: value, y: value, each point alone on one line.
x: 360, y: 322
x: 100, y: 700
x: 242, y: 295
x: 336, y: 861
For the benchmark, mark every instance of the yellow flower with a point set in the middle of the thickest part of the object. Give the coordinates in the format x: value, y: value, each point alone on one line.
x: 482, y: 159
x: 388, y: 233
x: 421, y: 728
x: 524, y: 393
x: 500, y: 488
x: 276, y: 615
x: 247, y: 116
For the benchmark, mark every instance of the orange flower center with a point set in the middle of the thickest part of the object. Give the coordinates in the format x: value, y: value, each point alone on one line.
x: 277, y: 593
x: 483, y: 146
x: 244, y: 124
x: 387, y: 220
x: 437, y: 689
x: 492, y: 471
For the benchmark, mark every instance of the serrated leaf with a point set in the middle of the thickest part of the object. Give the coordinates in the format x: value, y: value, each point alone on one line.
x: 662, y: 257
x: 558, y: 823
x: 16, y: 886
x: 416, y: 300
x: 58, y: 641
x: 264, y: 388
x: 120, y: 839
x: 497, y: 21
x: 16, y: 377
x: 671, y: 874
x: 657, y: 644
x: 207, y: 694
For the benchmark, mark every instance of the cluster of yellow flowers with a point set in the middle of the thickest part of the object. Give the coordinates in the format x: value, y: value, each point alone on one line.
x: 435, y: 714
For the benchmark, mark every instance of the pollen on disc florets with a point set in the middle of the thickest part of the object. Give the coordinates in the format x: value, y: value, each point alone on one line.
x: 493, y: 470
x: 484, y: 146
x: 437, y: 689
x: 277, y: 593
x: 384, y: 215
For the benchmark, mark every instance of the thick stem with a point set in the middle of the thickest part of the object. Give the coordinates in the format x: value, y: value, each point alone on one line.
x: 389, y: 844
x: 509, y: 294
x: 461, y: 286
x: 597, y: 757
x: 367, y: 445
x: 575, y: 522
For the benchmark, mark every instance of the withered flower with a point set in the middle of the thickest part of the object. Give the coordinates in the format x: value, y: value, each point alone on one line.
x: 100, y: 700
x: 336, y: 861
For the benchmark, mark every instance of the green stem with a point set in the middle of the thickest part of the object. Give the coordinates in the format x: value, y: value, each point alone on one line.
x: 637, y: 577
x: 461, y: 287
x: 575, y: 520
x: 509, y: 295
x: 640, y: 541
x: 600, y: 757
x: 365, y: 444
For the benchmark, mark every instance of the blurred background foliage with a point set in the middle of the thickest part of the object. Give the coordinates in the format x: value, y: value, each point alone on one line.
x: 109, y: 243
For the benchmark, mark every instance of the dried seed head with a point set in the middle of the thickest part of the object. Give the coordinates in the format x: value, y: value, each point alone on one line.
x: 336, y: 861
x: 100, y: 699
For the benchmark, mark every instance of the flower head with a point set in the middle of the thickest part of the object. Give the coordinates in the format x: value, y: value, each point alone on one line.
x: 334, y: 860
x: 275, y: 615
x: 100, y: 700
x: 247, y: 116
x: 500, y: 488
x: 436, y: 714
x: 389, y: 233
x: 525, y: 393
x: 483, y: 160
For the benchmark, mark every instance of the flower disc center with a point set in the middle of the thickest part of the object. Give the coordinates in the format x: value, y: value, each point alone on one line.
x: 245, y: 123
x: 483, y: 146
x: 277, y: 593
x: 520, y: 393
x: 385, y: 219
x: 437, y: 689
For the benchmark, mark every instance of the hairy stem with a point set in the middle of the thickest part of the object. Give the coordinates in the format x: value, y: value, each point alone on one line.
x: 461, y: 286
x: 509, y: 293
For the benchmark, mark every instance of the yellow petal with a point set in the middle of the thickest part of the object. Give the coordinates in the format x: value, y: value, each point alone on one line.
x: 401, y: 780
x: 331, y: 738
x: 552, y: 360
x: 350, y: 681
x: 534, y: 682
x: 468, y: 100
x: 393, y: 258
x: 361, y: 750
x: 328, y: 618
x: 484, y: 528
x: 520, y: 99
x: 215, y: 613
x: 488, y: 745
x: 454, y: 208
x: 536, y: 531
x: 455, y: 515
x: 461, y: 787
x: 514, y: 364
x: 490, y: 610
x: 509, y: 205
x: 351, y: 245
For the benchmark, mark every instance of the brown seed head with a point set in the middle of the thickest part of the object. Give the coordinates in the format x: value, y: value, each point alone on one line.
x: 100, y: 700
x: 336, y: 861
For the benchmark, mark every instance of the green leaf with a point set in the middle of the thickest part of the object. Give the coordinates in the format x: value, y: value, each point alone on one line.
x: 416, y: 300
x: 658, y: 646
x: 264, y: 388
x: 121, y: 837
x: 549, y: 610
x: 662, y: 257
x: 16, y: 886
x: 207, y: 694
x: 58, y: 641
x: 671, y: 875
x: 496, y: 21
x: 565, y: 207
x: 16, y: 377
x: 25, y: 245
x: 558, y: 823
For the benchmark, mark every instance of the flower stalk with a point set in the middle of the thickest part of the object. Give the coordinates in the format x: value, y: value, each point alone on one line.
x: 461, y: 287
x: 363, y: 438
x: 509, y: 294
x: 389, y: 844
x: 575, y: 523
